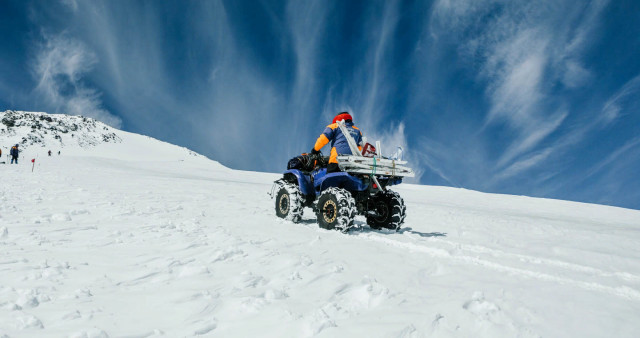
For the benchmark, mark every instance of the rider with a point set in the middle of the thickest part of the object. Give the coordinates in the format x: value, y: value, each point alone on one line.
x: 339, y: 144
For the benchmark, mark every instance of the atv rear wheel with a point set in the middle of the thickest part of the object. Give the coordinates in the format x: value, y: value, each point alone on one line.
x: 390, y: 211
x: 289, y: 202
x: 336, y: 209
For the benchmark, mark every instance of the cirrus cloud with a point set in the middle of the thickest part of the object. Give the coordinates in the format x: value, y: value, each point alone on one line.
x: 59, y: 67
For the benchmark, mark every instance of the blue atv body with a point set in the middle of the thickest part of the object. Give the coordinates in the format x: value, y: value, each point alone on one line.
x: 312, y: 184
x: 337, y: 197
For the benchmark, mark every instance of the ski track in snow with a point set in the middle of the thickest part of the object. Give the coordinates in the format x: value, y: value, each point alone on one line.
x: 107, y: 247
x: 622, y: 291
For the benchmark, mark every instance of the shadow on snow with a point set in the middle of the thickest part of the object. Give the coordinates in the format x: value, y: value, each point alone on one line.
x: 362, y: 227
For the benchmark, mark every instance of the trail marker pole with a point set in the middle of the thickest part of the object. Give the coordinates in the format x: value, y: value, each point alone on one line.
x: 33, y: 165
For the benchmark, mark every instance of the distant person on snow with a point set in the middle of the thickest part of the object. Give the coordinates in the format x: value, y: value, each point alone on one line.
x: 14, y: 154
x: 339, y: 144
x: 49, y: 152
x: 58, y: 152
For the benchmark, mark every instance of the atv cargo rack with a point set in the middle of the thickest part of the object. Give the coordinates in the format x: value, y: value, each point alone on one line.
x: 376, y: 165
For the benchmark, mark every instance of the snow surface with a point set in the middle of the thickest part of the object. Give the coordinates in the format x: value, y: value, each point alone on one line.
x: 140, y: 238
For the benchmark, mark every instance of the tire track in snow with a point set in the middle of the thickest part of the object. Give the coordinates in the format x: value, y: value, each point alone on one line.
x: 622, y: 291
x: 544, y: 261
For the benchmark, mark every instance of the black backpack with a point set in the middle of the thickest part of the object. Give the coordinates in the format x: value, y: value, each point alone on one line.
x: 306, y: 162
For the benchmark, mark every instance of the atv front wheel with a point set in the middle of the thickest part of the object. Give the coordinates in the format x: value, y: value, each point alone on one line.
x: 336, y: 209
x: 289, y: 202
x: 389, y: 212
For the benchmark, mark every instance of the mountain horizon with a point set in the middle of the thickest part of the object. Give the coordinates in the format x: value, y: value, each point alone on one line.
x: 514, y: 97
x: 32, y: 123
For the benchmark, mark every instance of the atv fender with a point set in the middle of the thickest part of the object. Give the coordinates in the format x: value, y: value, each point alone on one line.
x: 304, y: 181
x: 339, y: 180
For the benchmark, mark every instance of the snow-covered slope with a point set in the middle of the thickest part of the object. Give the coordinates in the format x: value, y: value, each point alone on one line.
x: 139, y: 238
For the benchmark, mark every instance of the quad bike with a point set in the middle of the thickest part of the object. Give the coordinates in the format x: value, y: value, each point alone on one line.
x: 361, y: 188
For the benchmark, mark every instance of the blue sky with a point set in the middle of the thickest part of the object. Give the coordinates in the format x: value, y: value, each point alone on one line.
x: 538, y: 98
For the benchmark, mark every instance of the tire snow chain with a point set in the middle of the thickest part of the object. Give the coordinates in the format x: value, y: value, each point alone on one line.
x: 273, y: 188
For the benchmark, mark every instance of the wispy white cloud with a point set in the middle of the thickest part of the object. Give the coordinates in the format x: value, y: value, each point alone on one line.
x: 210, y: 95
x: 613, y: 156
x: 59, y: 68
x: 306, y: 22
x: 376, y: 66
x: 434, y: 167
x: 575, y: 75
x: 534, y: 136
x: 519, y: 51
x: 614, y: 180
x: 524, y: 164
x: 394, y: 137
x: 620, y: 102
x: 450, y: 160
x: 612, y: 108
x: 516, y: 90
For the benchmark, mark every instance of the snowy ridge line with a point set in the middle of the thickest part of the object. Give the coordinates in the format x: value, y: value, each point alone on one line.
x: 545, y: 261
x: 623, y: 291
x: 38, y: 133
x: 40, y: 130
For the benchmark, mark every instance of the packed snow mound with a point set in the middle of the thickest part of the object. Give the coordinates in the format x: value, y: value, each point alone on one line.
x: 36, y: 133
